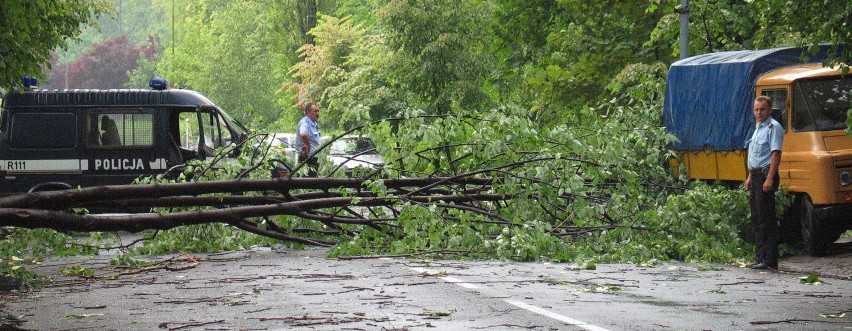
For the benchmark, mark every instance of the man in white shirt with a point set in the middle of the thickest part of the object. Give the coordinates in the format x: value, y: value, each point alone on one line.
x: 308, y: 138
x: 764, y: 156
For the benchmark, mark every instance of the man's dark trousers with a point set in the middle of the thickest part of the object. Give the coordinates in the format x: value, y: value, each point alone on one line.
x: 766, y: 232
x: 312, y: 163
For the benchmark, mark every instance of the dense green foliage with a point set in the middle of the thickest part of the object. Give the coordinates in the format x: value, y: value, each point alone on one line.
x: 552, y: 57
x: 811, y: 24
x: 29, y: 30
x: 602, y: 190
x: 229, y: 56
x: 595, y: 190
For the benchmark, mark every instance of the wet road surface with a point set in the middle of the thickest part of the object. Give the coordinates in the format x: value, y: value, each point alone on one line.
x: 264, y: 289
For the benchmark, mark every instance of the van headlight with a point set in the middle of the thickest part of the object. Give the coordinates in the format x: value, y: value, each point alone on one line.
x: 845, y: 178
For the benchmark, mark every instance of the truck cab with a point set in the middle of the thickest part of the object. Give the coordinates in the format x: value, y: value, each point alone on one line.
x: 708, y: 108
x: 52, y: 140
x: 811, y: 103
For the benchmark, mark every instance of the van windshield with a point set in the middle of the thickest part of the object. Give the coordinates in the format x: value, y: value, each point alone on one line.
x: 234, y: 124
x: 821, y: 104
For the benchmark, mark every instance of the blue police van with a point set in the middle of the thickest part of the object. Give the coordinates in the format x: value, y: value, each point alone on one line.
x: 53, y: 140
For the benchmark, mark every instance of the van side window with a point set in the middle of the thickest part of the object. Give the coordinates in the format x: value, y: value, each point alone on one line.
x: 216, y: 134
x: 779, y: 105
x: 43, y: 130
x: 188, y: 130
x: 122, y: 130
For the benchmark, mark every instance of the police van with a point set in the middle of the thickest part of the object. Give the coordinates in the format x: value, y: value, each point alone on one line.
x: 53, y: 140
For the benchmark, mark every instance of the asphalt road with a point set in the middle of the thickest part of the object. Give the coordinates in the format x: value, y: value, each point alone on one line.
x: 264, y: 289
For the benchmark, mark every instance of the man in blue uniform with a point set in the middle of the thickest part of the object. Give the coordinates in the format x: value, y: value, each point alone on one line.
x: 308, y: 138
x: 764, y: 156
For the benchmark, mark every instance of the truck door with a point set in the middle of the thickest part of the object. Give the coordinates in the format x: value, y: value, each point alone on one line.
x: 779, y: 104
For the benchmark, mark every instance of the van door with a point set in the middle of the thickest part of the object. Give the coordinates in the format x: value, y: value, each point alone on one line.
x: 120, y: 146
x: 203, y: 131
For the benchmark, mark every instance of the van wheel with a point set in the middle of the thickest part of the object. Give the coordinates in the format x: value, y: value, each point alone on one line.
x: 49, y: 186
x: 813, y: 230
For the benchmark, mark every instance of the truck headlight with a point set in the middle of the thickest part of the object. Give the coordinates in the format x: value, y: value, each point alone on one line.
x: 845, y: 178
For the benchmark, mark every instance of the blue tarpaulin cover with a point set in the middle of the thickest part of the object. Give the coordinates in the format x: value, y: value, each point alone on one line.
x: 709, y: 98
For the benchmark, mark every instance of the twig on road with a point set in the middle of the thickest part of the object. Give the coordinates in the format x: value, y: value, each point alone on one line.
x: 743, y: 283
x: 790, y: 321
x: 165, y: 325
x: 504, y: 326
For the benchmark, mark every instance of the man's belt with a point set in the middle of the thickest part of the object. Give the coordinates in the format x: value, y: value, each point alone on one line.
x: 764, y: 170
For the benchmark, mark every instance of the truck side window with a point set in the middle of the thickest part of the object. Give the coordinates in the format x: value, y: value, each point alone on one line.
x: 43, y: 130
x: 122, y: 130
x: 779, y: 105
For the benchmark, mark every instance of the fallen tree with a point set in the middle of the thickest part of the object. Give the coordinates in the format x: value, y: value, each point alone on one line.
x: 244, y: 204
x: 492, y: 186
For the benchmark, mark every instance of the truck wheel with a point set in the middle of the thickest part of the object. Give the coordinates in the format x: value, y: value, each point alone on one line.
x: 813, y: 232
x: 833, y: 232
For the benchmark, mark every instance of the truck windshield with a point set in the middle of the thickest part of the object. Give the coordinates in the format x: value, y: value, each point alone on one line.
x: 821, y: 104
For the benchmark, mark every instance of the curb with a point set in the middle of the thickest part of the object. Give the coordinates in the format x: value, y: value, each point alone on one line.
x: 836, y: 263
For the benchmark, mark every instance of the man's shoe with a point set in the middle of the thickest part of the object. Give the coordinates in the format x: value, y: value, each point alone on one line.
x: 760, y: 266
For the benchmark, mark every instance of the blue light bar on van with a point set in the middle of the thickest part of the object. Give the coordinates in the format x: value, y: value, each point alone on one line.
x: 29, y: 82
x: 159, y: 83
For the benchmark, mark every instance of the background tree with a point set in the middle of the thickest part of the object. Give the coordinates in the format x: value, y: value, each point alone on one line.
x: 106, y: 66
x: 31, y: 29
x: 558, y: 56
x: 811, y: 23
x: 439, y: 51
x: 520, y: 36
x: 136, y: 20
x: 713, y: 26
x: 333, y: 73
x: 231, y: 53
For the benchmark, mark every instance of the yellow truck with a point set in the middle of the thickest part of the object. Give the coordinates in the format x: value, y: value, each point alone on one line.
x: 708, y: 107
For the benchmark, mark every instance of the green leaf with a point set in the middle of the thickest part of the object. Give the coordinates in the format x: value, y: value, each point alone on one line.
x: 833, y: 315
x: 811, y: 279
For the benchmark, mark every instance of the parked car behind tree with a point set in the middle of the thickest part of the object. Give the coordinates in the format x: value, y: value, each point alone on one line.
x: 351, y: 152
